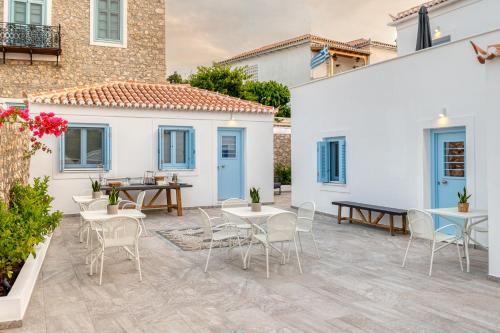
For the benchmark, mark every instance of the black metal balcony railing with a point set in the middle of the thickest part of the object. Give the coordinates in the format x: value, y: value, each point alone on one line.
x: 30, y: 38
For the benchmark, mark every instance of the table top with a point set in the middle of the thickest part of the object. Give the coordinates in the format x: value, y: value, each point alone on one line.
x: 246, y: 212
x: 102, y: 215
x: 453, y: 212
x: 85, y: 199
x: 143, y: 187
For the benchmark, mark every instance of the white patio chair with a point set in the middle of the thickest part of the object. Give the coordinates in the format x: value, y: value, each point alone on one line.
x: 82, y: 207
x: 118, y: 232
x: 98, y: 204
x: 218, y: 233
x: 240, y: 223
x: 136, y: 205
x: 479, y: 227
x: 305, y: 218
x: 281, y: 228
x: 421, y: 226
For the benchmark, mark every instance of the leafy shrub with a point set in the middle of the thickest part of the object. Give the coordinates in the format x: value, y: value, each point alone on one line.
x: 283, y: 174
x: 24, y: 225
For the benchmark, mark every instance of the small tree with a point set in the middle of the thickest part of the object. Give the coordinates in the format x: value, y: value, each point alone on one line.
x: 221, y: 79
x: 175, y: 78
x: 269, y: 93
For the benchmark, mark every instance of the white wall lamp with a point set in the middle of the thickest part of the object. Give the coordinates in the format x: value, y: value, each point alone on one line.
x: 443, y: 113
x: 437, y: 32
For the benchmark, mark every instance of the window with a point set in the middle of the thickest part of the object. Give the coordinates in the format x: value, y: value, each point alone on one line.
x: 108, y: 20
x: 454, y: 159
x: 86, y: 147
x: 331, y: 162
x: 176, y: 148
x: 17, y: 105
x: 28, y: 11
x: 252, y: 71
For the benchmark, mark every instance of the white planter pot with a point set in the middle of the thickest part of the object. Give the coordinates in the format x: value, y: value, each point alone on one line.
x: 14, y: 305
x: 256, y: 207
x: 112, y: 209
x: 96, y: 195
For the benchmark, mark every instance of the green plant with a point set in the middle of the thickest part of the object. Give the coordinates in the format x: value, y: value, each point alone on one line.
x: 96, y: 186
x: 254, y: 194
x: 220, y: 78
x: 269, y: 93
x: 463, y: 197
x: 113, y: 197
x: 283, y: 174
x: 24, y: 224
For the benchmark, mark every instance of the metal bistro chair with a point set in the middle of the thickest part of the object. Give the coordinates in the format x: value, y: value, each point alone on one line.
x: 117, y: 232
x: 82, y: 208
x: 222, y: 232
x: 281, y: 228
x: 305, y: 219
x: 421, y: 226
x: 138, y: 206
x: 238, y: 222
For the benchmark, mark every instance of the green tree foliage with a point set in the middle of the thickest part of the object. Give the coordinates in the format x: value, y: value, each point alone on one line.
x: 25, y: 224
x: 269, y: 93
x: 221, y: 79
x: 283, y: 174
x: 175, y: 78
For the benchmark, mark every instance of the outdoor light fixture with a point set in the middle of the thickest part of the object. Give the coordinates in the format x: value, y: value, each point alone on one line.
x: 443, y: 113
x: 231, y: 117
x: 437, y: 32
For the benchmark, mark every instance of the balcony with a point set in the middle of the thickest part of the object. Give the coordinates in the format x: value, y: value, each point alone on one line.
x: 30, y: 39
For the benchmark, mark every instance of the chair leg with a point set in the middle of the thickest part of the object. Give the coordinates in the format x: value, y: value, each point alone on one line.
x: 246, y: 260
x: 289, y: 250
x: 300, y: 242
x: 315, y: 245
x: 406, y: 253
x: 267, y: 262
x: 241, y: 251
x: 208, y: 257
x: 138, y: 261
x: 146, y: 232
x: 460, y: 257
x: 297, y: 253
x: 102, y: 265
x: 432, y: 257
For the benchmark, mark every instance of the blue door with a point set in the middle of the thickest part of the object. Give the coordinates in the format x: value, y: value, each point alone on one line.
x: 449, y: 172
x: 230, y: 163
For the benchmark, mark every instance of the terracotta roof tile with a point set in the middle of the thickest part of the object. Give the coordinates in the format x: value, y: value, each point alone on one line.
x: 132, y: 94
x: 414, y: 10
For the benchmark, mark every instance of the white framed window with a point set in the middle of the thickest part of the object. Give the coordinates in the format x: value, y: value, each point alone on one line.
x: 108, y: 23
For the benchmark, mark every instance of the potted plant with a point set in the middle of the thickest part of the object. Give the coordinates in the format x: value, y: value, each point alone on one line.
x: 463, y: 201
x: 96, y: 189
x: 113, y: 202
x: 255, y: 196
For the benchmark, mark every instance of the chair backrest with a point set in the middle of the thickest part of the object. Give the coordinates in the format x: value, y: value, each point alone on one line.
x: 140, y: 200
x: 120, y: 231
x: 421, y: 224
x: 305, y: 214
x: 98, y: 204
x: 206, y: 225
x: 234, y: 202
x: 281, y: 227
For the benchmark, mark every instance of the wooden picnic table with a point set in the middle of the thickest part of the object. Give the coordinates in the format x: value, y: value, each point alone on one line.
x: 159, y: 189
x: 382, y: 211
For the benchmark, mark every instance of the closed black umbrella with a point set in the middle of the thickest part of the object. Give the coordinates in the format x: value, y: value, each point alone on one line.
x: 424, y: 39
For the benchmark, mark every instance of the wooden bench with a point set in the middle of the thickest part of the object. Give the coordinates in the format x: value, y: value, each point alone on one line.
x: 368, y: 219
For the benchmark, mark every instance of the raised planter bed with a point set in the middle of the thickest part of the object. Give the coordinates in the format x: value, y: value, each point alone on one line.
x: 14, y: 305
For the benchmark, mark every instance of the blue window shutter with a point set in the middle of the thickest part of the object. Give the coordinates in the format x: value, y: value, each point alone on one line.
x: 191, y: 149
x: 342, y: 161
x: 160, y: 148
x: 323, y: 161
x: 61, y: 153
x: 107, y: 148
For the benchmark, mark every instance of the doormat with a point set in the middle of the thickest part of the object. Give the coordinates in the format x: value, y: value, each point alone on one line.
x: 192, y: 239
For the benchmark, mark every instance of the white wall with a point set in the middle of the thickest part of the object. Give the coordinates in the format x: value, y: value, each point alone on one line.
x: 460, y: 19
x: 385, y: 111
x: 134, y: 150
x: 288, y: 66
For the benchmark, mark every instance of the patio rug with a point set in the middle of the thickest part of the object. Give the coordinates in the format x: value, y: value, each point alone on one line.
x: 192, y: 239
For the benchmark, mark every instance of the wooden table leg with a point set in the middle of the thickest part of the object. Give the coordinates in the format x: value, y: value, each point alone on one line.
x: 403, y: 220
x: 391, y: 224
x: 169, y: 200
x: 339, y: 215
x: 350, y: 214
x: 128, y: 196
x: 178, y: 198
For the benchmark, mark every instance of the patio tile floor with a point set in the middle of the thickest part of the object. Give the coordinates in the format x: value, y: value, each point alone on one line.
x: 356, y: 286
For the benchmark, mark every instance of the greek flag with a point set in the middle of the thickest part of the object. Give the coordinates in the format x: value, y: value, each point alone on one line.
x: 320, y: 58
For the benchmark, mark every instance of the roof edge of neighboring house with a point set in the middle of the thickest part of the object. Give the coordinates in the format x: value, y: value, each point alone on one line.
x: 132, y: 94
x: 303, y: 39
x: 412, y: 12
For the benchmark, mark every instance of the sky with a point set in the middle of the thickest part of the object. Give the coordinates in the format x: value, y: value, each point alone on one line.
x: 200, y: 32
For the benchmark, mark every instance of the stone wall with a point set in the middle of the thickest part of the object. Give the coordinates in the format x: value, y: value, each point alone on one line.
x: 282, y: 149
x: 13, y: 164
x: 81, y: 63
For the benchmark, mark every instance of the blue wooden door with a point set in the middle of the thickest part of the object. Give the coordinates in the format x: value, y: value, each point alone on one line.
x: 449, y: 176
x: 230, y: 163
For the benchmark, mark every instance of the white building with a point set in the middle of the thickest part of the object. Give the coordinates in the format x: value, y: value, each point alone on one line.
x: 289, y: 61
x: 123, y: 129
x: 410, y: 131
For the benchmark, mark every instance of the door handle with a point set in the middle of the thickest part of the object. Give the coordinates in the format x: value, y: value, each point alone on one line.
x: 443, y: 182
